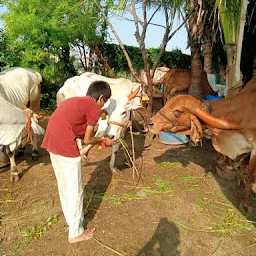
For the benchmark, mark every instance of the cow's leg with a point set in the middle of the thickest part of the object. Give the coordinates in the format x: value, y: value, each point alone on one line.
x: 5, y: 160
x: 252, y: 169
x: 248, y: 186
x: 34, y: 154
x: 173, y: 90
x: 14, y: 170
x: 168, y: 92
x: 21, y: 151
x: 35, y: 107
x: 115, y: 149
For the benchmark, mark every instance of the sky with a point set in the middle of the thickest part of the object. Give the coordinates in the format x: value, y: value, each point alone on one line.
x: 125, y: 29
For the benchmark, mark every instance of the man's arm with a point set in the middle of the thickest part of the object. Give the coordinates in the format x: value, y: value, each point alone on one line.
x: 90, y: 139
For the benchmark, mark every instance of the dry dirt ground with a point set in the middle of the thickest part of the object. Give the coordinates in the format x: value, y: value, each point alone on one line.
x: 177, y: 206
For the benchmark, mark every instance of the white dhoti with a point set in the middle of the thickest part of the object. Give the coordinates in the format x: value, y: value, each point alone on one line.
x: 68, y: 171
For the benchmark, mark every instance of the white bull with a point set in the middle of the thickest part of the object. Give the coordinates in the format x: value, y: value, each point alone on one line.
x: 158, y: 78
x: 15, y: 126
x: 22, y: 86
x: 126, y: 96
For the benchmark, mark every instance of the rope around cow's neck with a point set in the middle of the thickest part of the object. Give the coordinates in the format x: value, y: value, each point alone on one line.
x: 174, y: 124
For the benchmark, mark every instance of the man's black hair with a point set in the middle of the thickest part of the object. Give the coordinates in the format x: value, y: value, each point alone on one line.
x: 98, y: 88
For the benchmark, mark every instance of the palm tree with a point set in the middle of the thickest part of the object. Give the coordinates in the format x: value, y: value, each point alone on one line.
x: 195, y: 23
x: 232, y: 15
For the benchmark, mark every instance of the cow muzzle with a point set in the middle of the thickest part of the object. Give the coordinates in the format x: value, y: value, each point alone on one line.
x: 111, y: 136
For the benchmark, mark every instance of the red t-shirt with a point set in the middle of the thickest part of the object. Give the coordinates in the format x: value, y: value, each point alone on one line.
x: 68, y: 122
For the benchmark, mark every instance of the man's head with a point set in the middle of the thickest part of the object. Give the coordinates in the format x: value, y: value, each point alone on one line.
x: 100, y: 91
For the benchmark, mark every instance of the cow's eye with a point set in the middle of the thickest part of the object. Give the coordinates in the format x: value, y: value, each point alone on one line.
x: 177, y: 113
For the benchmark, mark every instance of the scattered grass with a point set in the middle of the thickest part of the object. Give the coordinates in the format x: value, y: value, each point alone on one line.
x: 224, y: 220
x: 108, y: 247
x: 9, y: 201
x: 37, y: 231
x: 127, y: 151
x: 162, y: 187
x: 130, y: 156
x: 218, y: 246
x: 173, y: 165
x: 3, y: 219
x: 254, y: 242
x: 6, y: 190
x: 193, y: 182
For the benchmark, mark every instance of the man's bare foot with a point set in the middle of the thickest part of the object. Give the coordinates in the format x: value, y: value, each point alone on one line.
x: 87, y: 235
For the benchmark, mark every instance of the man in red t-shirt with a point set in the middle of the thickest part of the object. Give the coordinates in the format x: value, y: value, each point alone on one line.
x: 74, y: 118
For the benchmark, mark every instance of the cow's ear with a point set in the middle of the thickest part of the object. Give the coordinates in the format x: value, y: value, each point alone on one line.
x: 196, y: 131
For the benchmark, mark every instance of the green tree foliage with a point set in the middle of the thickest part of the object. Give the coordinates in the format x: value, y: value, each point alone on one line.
x: 9, y: 54
x: 117, y: 60
x: 42, y: 32
x: 173, y: 59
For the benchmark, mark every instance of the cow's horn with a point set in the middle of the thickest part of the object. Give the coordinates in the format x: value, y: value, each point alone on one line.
x: 215, y: 121
x: 133, y: 94
x: 24, y: 106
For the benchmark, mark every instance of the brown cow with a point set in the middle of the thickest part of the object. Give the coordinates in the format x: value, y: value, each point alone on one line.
x: 178, y: 80
x: 231, y: 121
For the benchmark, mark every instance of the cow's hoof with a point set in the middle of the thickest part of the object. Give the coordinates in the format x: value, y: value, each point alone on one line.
x: 14, y: 177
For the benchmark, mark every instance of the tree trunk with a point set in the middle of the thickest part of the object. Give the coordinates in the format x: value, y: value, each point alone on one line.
x: 69, y: 69
x: 195, y: 88
x: 238, y: 76
x: 119, y: 41
x: 231, y: 69
x: 150, y: 94
x: 195, y: 22
x: 102, y: 60
x: 208, y: 57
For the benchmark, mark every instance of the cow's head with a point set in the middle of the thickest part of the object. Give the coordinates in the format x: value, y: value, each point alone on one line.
x: 137, y: 97
x: 181, y: 115
x: 118, y: 110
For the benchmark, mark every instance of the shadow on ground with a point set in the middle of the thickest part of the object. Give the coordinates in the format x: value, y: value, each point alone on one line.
x: 189, y: 154
x: 164, y: 242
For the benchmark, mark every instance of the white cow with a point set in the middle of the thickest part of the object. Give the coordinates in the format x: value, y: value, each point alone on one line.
x: 126, y: 96
x: 158, y: 78
x: 22, y: 86
x: 16, y: 126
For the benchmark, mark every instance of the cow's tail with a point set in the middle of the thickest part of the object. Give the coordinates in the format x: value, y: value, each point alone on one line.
x: 36, y: 128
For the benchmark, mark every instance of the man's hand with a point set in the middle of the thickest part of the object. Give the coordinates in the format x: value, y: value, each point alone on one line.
x: 109, y: 142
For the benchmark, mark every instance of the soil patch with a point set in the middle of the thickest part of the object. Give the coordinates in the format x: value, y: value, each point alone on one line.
x: 177, y: 206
